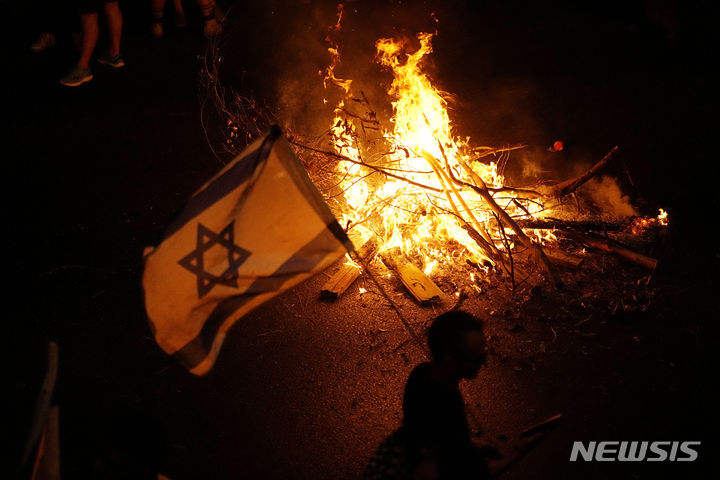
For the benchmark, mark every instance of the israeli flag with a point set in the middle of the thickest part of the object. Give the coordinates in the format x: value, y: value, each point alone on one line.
x: 253, y: 231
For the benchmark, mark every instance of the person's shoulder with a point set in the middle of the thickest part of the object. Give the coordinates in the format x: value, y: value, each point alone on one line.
x: 420, y: 373
x: 422, y: 369
x: 417, y: 387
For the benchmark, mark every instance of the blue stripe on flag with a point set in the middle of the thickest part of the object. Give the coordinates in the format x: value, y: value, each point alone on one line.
x: 198, y: 348
x: 225, y: 183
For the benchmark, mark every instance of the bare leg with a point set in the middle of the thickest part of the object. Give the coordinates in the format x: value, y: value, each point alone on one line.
x: 158, y: 11
x: 211, y: 27
x: 207, y: 7
x: 179, y: 14
x: 89, y: 38
x: 115, y: 22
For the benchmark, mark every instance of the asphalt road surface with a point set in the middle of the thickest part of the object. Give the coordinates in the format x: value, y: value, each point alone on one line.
x: 305, y: 388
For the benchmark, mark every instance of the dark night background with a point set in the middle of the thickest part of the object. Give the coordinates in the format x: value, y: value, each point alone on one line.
x: 94, y: 174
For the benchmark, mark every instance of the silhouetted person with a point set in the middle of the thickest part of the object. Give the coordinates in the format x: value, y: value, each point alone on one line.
x: 434, y: 441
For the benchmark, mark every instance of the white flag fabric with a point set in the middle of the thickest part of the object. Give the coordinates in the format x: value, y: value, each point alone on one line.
x: 254, y: 230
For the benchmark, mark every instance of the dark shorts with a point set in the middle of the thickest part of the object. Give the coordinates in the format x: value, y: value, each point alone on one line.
x: 92, y: 6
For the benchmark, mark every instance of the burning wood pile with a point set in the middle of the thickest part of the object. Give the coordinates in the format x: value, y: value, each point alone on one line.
x: 436, y: 210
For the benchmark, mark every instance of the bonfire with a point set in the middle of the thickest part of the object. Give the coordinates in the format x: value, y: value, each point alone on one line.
x: 433, y: 207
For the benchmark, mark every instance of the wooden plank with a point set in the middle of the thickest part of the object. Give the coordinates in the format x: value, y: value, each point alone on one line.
x: 349, y: 271
x: 341, y: 281
x: 418, y: 284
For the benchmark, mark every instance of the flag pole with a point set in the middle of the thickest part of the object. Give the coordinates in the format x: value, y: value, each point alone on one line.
x: 396, y: 309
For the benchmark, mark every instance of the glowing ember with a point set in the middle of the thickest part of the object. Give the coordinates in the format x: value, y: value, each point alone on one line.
x: 641, y: 224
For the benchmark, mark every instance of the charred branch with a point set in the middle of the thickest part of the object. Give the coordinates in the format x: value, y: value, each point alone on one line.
x: 580, y: 225
x: 613, y: 247
x: 569, y: 186
x: 562, y: 258
x: 481, y: 189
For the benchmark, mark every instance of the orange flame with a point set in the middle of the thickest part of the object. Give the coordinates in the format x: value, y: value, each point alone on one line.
x: 426, y: 223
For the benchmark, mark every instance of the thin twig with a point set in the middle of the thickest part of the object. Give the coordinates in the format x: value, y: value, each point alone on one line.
x: 374, y: 167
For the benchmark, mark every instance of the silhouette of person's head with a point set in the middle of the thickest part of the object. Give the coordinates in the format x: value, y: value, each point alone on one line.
x: 457, y: 344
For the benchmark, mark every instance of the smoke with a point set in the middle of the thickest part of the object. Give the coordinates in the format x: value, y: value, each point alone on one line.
x: 301, y: 96
x: 606, y: 194
x: 301, y: 99
x: 278, y: 51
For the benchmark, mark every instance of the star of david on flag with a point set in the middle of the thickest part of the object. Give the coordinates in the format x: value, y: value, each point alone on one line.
x: 194, y: 261
x: 254, y: 230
